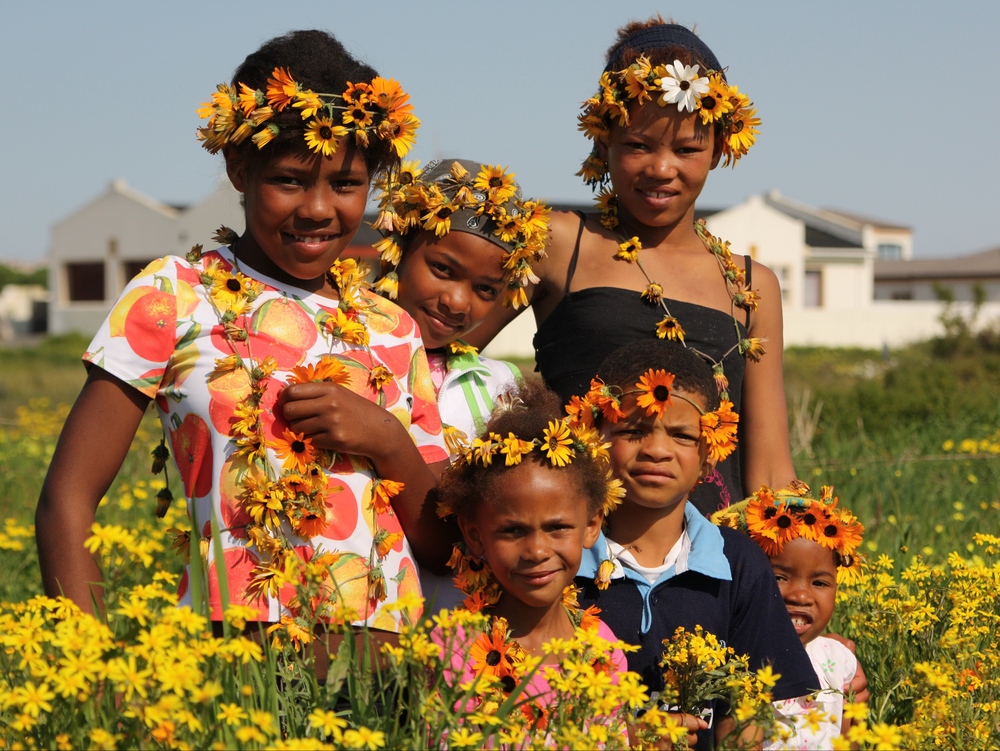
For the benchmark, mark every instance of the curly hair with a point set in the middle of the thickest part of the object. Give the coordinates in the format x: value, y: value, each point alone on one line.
x: 465, y: 486
x: 624, y: 366
x: 319, y: 62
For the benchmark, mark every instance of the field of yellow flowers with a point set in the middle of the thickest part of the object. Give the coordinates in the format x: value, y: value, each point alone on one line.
x: 925, y: 616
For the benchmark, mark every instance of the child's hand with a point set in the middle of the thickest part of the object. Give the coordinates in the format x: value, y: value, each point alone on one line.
x: 692, y: 723
x: 335, y: 417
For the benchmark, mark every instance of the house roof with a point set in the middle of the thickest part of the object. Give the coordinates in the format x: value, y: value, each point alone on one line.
x: 862, y: 219
x: 983, y: 264
x: 824, y: 229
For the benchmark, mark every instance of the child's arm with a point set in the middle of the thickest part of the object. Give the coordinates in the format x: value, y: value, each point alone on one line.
x: 93, y: 444
x: 766, y: 455
x: 337, y: 418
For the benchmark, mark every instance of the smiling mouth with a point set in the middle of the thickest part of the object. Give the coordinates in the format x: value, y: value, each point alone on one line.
x: 801, y: 621
x: 443, y: 322
x: 657, y: 194
x: 313, y: 238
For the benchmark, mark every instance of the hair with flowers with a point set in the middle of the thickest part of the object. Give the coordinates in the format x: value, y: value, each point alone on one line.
x: 305, y: 85
x: 462, y: 195
x: 774, y: 517
x: 529, y: 427
x: 656, y: 373
x: 668, y: 64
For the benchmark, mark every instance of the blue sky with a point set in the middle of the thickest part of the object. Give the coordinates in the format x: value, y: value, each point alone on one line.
x: 878, y: 108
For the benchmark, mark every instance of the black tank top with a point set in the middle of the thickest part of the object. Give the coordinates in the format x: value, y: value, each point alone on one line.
x: 589, y: 324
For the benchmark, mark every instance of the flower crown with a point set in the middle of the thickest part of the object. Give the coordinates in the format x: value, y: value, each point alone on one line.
x: 774, y: 517
x: 491, y: 205
x: 686, y: 87
x: 378, y: 109
x: 655, y: 391
x: 561, y: 442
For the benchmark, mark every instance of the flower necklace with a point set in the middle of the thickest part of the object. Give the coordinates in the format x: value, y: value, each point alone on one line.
x: 292, y: 501
x: 669, y: 327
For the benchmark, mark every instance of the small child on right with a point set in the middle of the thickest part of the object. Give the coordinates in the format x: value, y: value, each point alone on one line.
x: 811, y: 544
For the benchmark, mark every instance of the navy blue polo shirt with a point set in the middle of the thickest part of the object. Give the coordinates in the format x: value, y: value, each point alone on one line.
x: 724, y: 584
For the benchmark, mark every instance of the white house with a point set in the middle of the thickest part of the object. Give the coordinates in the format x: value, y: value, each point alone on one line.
x: 97, y: 249
x: 841, y: 276
x: 846, y: 280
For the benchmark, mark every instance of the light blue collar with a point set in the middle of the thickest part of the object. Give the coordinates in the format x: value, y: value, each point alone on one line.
x: 705, y: 556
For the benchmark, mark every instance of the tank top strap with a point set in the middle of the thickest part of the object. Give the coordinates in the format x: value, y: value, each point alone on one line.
x: 748, y: 268
x: 576, y: 252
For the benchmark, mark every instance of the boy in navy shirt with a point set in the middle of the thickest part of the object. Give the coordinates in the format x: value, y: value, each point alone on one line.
x: 659, y: 564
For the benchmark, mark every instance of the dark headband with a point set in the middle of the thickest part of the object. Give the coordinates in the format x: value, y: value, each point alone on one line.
x: 659, y: 37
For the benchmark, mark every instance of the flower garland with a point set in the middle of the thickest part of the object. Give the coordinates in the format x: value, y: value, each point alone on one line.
x: 655, y: 393
x: 292, y: 501
x: 669, y: 327
x: 377, y: 109
x: 774, y: 517
x: 715, y: 101
x: 429, y: 199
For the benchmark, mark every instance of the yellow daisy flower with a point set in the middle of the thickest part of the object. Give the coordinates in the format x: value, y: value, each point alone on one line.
x: 322, y: 135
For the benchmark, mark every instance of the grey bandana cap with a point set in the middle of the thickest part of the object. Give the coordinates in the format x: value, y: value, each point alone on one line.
x: 465, y: 220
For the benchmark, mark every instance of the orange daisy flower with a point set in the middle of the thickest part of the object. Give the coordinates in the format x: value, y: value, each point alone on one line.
x: 490, y: 654
x: 329, y: 368
x: 654, y: 387
x: 281, y: 89
x: 383, y: 491
x: 295, y: 450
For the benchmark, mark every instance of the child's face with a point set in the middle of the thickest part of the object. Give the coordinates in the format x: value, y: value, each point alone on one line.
x: 659, y: 458
x: 303, y: 209
x: 449, y: 284
x: 807, y: 577
x: 533, y: 537
x: 659, y: 163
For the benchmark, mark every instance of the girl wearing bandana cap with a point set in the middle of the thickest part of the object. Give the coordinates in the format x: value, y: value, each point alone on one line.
x: 458, y: 237
x: 663, y: 118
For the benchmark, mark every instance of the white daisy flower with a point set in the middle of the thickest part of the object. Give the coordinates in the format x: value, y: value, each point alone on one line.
x: 683, y: 86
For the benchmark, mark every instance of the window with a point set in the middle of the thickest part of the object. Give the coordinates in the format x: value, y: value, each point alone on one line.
x: 890, y: 252
x: 782, y: 273
x: 812, y: 292
x: 132, y: 268
x: 85, y: 281
x: 901, y: 294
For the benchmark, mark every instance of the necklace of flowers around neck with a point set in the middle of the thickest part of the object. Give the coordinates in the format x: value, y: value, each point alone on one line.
x: 669, y: 327
x: 292, y: 500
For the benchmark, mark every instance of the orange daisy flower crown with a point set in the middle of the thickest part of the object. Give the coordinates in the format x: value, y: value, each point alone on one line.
x: 686, y: 87
x: 378, y: 109
x: 773, y: 517
x: 655, y: 393
x: 466, y: 196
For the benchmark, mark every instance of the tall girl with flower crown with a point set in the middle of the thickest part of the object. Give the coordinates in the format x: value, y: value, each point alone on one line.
x: 663, y: 118
x: 214, y: 339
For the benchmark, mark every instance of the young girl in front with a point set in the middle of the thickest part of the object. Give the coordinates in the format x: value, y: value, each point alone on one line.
x: 641, y: 267
x: 812, y: 545
x: 213, y: 339
x: 529, y: 497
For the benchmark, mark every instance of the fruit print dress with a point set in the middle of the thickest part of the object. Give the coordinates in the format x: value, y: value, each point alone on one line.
x: 166, y: 338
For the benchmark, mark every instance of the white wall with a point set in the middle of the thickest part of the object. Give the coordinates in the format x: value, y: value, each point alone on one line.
x: 774, y: 239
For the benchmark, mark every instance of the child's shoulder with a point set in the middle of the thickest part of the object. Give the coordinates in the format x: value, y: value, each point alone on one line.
x: 739, y: 545
x: 386, y: 317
